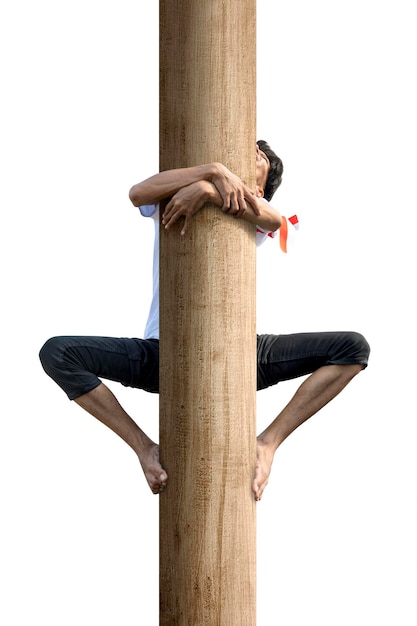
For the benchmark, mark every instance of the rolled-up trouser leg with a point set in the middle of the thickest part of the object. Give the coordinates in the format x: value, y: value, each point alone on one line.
x: 76, y: 364
x: 284, y: 357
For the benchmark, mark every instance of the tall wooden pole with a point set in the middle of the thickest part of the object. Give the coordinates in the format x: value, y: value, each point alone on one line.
x: 207, y: 322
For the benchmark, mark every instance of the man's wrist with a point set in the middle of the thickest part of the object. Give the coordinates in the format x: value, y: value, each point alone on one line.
x: 210, y: 193
x: 213, y: 171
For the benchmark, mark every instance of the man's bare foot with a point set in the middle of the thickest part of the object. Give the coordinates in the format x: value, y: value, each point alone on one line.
x: 264, y: 458
x: 153, y: 470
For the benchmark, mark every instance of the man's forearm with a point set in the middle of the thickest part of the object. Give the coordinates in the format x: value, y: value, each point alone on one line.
x: 264, y: 216
x: 166, y: 184
x: 190, y: 199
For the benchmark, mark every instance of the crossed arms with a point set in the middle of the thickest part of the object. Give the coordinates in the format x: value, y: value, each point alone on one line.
x: 191, y: 187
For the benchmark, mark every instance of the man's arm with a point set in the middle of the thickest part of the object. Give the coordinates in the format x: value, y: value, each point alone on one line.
x: 188, y: 200
x: 233, y: 192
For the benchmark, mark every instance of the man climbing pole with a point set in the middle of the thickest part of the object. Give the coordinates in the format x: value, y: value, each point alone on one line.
x: 331, y: 359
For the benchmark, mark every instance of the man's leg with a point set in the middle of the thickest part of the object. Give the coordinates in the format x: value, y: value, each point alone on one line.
x: 313, y: 394
x: 103, y: 405
x: 76, y: 363
x: 332, y: 360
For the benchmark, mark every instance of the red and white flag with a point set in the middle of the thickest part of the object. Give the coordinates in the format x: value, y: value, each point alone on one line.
x: 286, y: 232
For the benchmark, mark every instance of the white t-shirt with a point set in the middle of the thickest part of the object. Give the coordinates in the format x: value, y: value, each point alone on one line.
x: 152, y: 324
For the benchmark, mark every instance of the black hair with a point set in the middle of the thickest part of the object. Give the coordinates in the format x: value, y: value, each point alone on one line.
x: 275, y: 171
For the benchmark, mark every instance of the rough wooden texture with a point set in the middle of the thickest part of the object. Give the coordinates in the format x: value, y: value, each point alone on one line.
x: 207, y: 322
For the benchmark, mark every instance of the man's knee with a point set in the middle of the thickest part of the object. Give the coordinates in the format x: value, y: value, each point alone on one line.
x: 49, y: 353
x: 62, y: 360
x: 53, y: 356
x: 359, y: 347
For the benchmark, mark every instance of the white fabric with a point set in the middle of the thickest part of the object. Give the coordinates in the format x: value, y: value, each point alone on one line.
x: 152, y: 324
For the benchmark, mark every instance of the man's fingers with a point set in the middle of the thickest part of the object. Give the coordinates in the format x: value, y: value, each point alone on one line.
x: 167, y: 213
x: 184, y: 229
x: 227, y: 204
x: 235, y: 205
x: 240, y: 213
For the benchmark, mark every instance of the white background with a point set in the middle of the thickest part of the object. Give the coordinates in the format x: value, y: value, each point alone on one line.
x: 79, y: 125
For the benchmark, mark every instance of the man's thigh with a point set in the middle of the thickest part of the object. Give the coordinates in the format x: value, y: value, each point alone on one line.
x: 77, y: 363
x: 284, y: 357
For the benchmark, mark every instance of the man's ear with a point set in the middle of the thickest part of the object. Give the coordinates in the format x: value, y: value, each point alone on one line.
x: 259, y: 192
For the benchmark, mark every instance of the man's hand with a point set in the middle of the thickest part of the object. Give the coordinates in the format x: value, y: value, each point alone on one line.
x: 185, y: 203
x: 233, y: 192
x: 188, y: 200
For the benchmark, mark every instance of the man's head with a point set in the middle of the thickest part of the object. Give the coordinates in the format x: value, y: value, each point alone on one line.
x: 276, y: 168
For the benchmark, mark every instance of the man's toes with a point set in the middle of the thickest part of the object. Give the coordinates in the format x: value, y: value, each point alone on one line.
x: 158, y: 482
x: 155, y: 486
x: 256, y: 490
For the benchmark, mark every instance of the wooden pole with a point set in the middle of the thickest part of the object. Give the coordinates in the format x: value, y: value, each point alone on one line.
x: 207, y: 322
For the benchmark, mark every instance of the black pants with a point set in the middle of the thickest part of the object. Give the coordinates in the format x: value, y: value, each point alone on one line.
x: 77, y: 364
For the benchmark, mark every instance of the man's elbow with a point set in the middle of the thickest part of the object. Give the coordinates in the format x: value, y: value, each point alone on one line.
x: 134, y: 196
x: 276, y: 223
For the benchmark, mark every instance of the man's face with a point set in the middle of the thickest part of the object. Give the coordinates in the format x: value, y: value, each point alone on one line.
x: 262, y: 170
